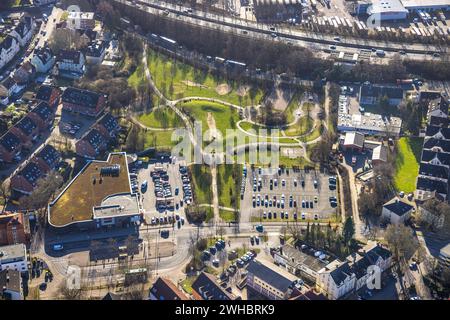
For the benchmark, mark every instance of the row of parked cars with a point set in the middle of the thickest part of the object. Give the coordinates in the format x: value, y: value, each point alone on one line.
x: 168, y: 219
x: 134, y: 182
x: 244, y: 177
x: 187, y: 189
x: 70, y: 127
x: 212, y: 250
x: 285, y: 215
x: 163, y: 189
x: 267, y: 202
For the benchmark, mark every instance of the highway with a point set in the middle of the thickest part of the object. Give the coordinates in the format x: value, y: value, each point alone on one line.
x: 311, y: 40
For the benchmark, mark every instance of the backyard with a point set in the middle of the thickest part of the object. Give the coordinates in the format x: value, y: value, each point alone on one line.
x: 407, y: 163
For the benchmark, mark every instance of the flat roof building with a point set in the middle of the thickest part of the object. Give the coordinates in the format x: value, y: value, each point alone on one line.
x: 426, y: 5
x: 369, y: 123
x: 14, y: 257
x: 99, y: 195
x: 387, y: 10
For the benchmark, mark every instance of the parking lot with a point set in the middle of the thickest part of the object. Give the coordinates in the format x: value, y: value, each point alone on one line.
x: 289, y: 194
x: 74, y: 125
x: 165, y: 188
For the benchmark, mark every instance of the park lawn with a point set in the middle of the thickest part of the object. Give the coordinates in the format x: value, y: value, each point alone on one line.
x: 226, y: 184
x: 225, y: 117
x: 407, y: 163
x: 201, y: 178
x: 291, y: 162
x: 176, y: 80
x: 159, y: 139
x: 292, y: 106
x: 301, y: 127
x: 161, y: 118
x: 137, y: 77
x: 227, y: 216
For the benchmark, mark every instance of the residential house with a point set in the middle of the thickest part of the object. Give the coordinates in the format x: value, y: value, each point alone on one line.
x: 11, y: 285
x: 272, y: 282
x: 24, y: 74
x: 9, y: 47
x: 298, y: 262
x: 80, y: 20
x: 91, y: 145
x: 434, y: 171
x: 396, y: 211
x: 340, y: 278
x: 49, y: 94
x: 47, y: 158
x: 10, y: 147
x: 353, y: 141
x: 440, y: 133
x: 26, y: 130
x: 379, y: 155
x: 43, y: 59
x: 88, y: 35
x: 72, y: 61
x: 42, y: 115
x: 433, y: 219
x: 96, y: 51
x: 14, y: 228
x: 9, y: 87
x: 83, y: 101
x: 14, y: 257
x: 108, y: 126
x: 428, y: 189
x: 164, y: 289
x: 23, y: 31
x: 25, y: 180
x: 438, y: 112
x: 370, y: 94
x: 205, y: 287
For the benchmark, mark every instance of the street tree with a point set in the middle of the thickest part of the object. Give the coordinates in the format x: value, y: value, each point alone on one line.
x: 401, y: 242
x: 348, y: 230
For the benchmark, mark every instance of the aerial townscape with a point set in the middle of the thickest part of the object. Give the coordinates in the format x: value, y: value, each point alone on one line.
x: 224, y: 150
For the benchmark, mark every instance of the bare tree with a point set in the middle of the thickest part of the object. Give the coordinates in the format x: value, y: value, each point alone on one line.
x: 402, y: 243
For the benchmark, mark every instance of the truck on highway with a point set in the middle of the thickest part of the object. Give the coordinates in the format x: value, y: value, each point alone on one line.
x: 404, y: 81
x: 380, y: 53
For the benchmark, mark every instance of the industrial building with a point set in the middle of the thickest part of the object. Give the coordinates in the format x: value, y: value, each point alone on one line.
x: 426, y: 5
x: 383, y: 10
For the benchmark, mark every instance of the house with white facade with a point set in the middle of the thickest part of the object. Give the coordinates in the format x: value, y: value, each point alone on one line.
x: 340, y: 278
x: 9, y: 47
x: 96, y: 51
x: 396, y: 211
x: 14, y: 257
x: 9, y: 87
x: 23, y: 31
x: 80, y: 20
x: 43, y: 59
x: 299, y: 262
x: 71, y: 61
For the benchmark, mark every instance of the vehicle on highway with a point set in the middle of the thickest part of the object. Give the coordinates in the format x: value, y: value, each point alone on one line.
x: 58, y: 247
